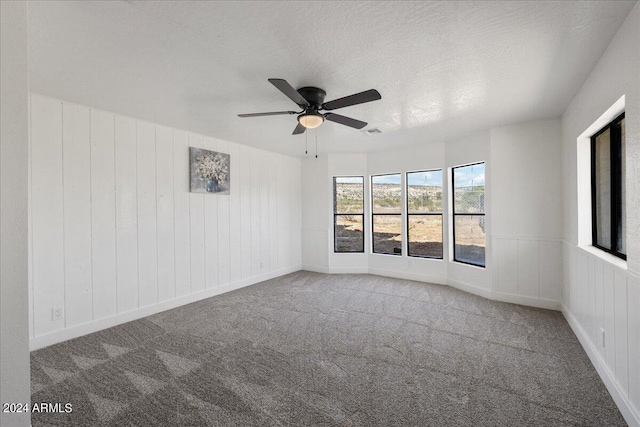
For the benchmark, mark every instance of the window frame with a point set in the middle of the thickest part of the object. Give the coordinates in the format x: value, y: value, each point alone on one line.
x: 615, y: 166
x: 336, y: 214
x: 454, y: 214
x: 373, y: 214
x: 406, y: 192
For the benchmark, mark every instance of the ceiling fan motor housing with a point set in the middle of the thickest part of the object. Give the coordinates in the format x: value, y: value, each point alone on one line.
x: 314, y: 95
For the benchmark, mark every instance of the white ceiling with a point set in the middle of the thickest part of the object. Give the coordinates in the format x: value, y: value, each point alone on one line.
x: 444, y: 69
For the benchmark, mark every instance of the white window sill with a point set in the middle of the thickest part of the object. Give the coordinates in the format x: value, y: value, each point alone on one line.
x: 599, y: 253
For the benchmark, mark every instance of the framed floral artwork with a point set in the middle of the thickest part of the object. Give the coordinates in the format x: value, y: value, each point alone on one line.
x: 210, y: 171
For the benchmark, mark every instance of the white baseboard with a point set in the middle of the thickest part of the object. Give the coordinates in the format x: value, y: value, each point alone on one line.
x: 316, y: 269
x: 631, y: 416
x: 472, y: 289
x: 120, y: 318
x: 408, y: 276
x: 525, y: 300
x: 346, y: 270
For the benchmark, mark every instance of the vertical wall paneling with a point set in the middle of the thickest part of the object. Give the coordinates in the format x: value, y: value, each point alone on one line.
x: 76, y: 149
x: 296, y: 211
x: 254, y: 170
x: 47, y: 213
x: 282, y: 221
x: 599, y: 307
x: 181, y: 201
x: 224, y: 228
x: 621, y: 328
x: 286, y: 198
x: 245, y: 210
x: 235, y: 243
x: 30, y: 235
x: 211, y: 228
x: 126, y: 214
x: 581, y: 297
x: 528, y: 268
x: 115, y: 230
x: 591, y: 303
x: 273, y: 213
x: 550, y: 270
x: 165, y: 209
x: 265, y: 164
x: 605, y: 295
x: 609, y: 319
x: 633, y: 299
x: 103, y: 214
x: 196, y: 215
x: 508, y: 266
x: 147, y: 214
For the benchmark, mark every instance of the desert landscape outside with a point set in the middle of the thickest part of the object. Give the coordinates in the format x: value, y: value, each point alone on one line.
x: 424, y: 215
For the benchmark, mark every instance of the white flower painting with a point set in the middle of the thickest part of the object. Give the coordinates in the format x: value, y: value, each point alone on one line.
x: 210, y: 171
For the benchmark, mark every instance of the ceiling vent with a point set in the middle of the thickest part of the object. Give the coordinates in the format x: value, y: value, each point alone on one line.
x: 373, y: 131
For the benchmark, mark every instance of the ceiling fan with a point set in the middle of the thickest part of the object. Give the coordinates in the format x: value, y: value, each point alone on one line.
x: 311, y: 100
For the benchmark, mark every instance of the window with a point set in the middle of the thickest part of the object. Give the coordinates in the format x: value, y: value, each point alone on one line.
x: 386, y: 214
x: 608, y: 196
x: 468, y: 214
x: 348, y: 214
x: 424, y: 214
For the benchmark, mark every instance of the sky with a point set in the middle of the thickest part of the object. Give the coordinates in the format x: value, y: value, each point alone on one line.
x: 467, y: 176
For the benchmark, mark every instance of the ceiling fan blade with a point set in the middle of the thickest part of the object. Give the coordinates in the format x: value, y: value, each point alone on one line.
x: 299, y: 129
x: 347, y: 121
x: 358, y: 98
x: 275, y: 113
x: 288, y: 90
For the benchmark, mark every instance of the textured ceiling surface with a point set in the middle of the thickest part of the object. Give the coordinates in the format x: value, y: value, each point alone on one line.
x: 444, y: 69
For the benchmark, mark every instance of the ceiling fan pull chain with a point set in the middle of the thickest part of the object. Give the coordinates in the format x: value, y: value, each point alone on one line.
x: 306, y: 142
x: 316, y: 133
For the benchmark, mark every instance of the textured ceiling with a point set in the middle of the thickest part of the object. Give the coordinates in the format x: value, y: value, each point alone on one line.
x: 444, y: 69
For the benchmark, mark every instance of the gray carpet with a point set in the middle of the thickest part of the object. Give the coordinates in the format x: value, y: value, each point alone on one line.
x: 345, y: 350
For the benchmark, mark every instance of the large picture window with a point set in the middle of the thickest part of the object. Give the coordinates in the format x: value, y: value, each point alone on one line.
x: 608, y: 191
x: 348, y: 213
x: 468, y: 214
x: 424, y: 214
x: 386, y: 214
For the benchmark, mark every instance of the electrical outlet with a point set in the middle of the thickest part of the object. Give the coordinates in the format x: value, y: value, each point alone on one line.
x: 57, y: 313
x: 602, y: 337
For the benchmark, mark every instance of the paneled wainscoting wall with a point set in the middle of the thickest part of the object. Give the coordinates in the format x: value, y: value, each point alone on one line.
x: 601, y: 301
x: 528, y: 269
x: 115, y: 233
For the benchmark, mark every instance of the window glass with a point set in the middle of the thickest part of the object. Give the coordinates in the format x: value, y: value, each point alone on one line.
x: 608, y: 188
x: 387, y: 234
x: 469, y: 189
x: 348, y: 214
x: 386, y: 201
x: 469, y: 231
x: 424, y: 214
x: 424, y: 192
x: 387, y: 193
x: 425, y: 236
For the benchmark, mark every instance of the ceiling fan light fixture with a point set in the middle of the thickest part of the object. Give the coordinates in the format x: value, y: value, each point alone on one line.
x: 311, y: 120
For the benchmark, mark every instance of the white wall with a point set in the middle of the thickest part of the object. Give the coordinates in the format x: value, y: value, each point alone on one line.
x: 14, y: 302
x: 116, y: 235
x: 527, y: 211
x: 315, y: 222
x: 600, y: 293
x: 523, y: 208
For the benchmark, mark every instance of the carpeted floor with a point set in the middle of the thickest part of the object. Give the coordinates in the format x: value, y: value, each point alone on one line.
x: 344, y: 350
